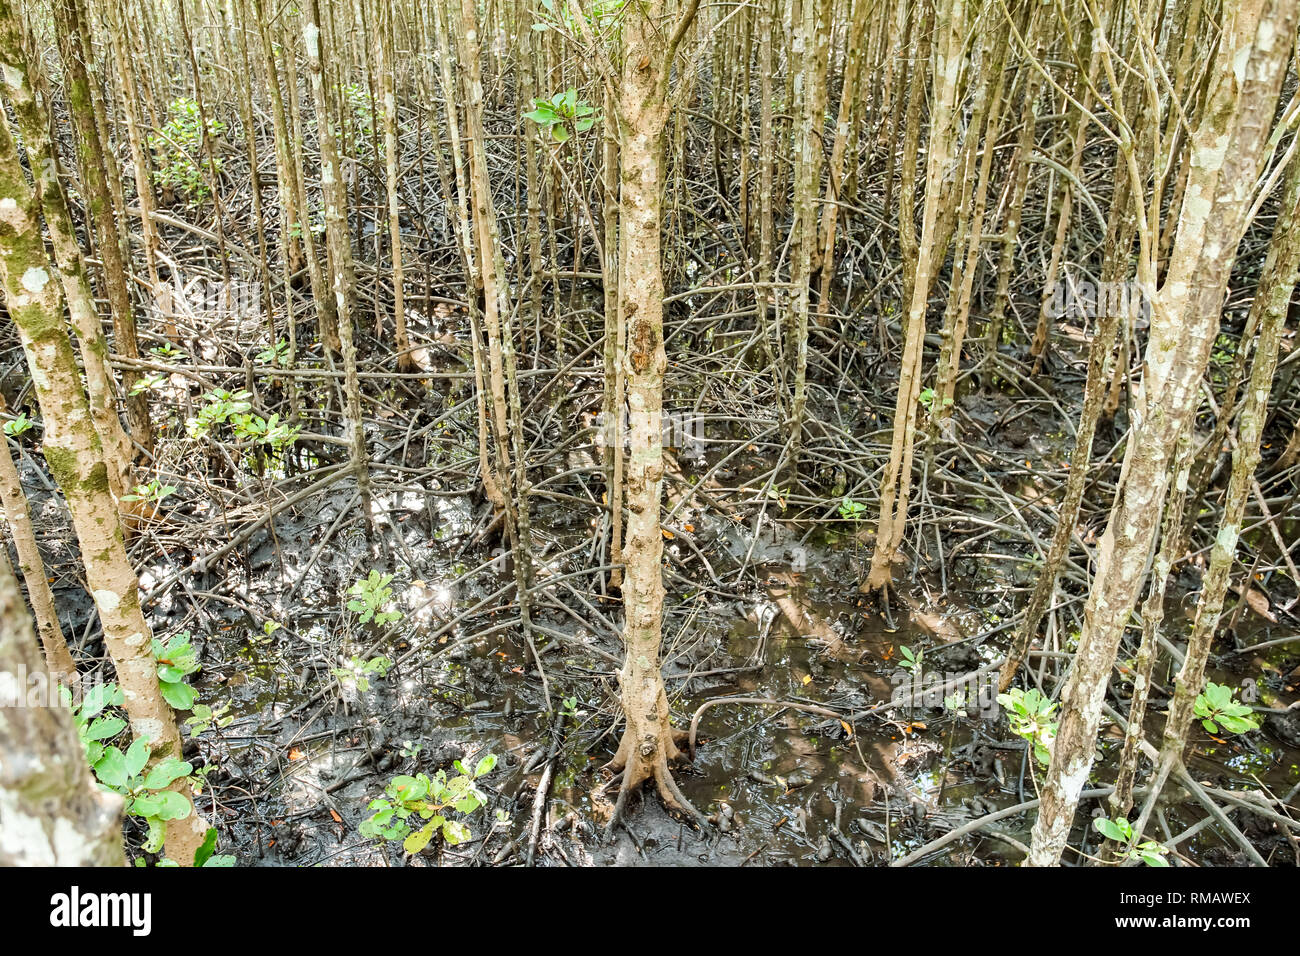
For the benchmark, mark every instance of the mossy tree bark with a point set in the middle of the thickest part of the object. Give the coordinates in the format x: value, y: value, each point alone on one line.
x: 34, y: 126
x: 99, y: 182
x: 1226, y: 150
x: 32, y: 292
x: 51, y: 811
x: 57, y: 656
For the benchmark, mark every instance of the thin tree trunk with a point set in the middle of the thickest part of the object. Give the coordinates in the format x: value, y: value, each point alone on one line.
x: 1226, y: 151
x: 897, y: 482
x: 57, y: 656
x: 73, y: 452
x: 97, y: 181
x: 51, y: 811
x: 340, y: 249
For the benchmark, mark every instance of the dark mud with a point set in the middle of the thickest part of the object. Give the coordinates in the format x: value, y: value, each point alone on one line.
x: 290, y: 778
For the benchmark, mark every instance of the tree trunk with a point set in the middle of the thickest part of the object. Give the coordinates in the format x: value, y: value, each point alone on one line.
x: 1226, y: 157
x: 897, y: 482
x: 51, y: 811
x: 648, y: 743
x: 57, y: 656
x: 75, y: 457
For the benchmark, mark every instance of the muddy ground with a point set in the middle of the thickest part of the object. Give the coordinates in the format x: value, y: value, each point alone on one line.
x: 292, y: 774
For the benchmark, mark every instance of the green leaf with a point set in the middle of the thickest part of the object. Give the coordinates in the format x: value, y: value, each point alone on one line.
x: 542, y: 116
x: 99, y: 697
x: 105, y: 728
x: 171, y: 805
x: 1111, y: 830
x: 146, y: 805
x: 179, y: 695
x: 406, y: 788
x: 206, y: 849
x: 111, y: 769
x: 418, y: 840
x: 1237, y: 725
x: 168, y: 770
x: 157, y: 833
x: 467, y: 804
x: 455, y: 832
x: 485, y: 765
x: 171, y: 674
x: 137, y: 755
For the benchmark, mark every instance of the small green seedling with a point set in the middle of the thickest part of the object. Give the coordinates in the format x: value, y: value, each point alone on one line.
x: 176, y: 659
x: 199, y: 778
x: 148, y: 382
x: 265, y: 431
x: 1030, y: 718
x: 276, y: 355
x: 153, y: 492
x: 1217, y: 709
x: 169, y: 351
x: 429, y: 799
x: 221, y: 405
x: 911, y: 661
x: 123, y: 772
x: 357, y: 671
x: 178, y: 145
x: 563, y: 114
x: 94, y: 725
x: 851, y: 510
x: 204, y: 718
x: 371, y: 595
x: 17, y: 426
x: 1121, y: 832
x: 927, y: 398
x: 410, y: 749
x: 145, y: 792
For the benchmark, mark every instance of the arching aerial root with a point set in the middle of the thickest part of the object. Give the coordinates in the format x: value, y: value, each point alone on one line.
x: 632, y: 768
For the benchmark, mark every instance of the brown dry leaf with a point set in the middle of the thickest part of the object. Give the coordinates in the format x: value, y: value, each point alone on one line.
x: 337, y: 818
x: 296, y: 754
x: 1258, y: 603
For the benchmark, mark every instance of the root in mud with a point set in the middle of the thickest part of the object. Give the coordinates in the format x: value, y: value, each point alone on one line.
x: 646, y: 752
